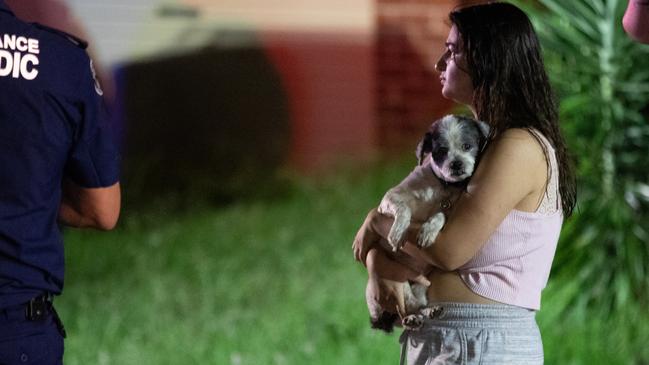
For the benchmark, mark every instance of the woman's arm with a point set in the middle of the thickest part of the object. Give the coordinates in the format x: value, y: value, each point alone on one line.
x: 636, y: 20
x: 385, y: 282
x: 510, y: 176
x: 379, y: 264
x: 375, y: 228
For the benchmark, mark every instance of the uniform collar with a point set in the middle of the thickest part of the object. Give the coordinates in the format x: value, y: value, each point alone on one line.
x: 5, y: 8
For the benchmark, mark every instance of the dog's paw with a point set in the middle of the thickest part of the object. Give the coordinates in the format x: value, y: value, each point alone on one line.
x: 426, y: 239
x: 413, y: 322
x: 429, y: 230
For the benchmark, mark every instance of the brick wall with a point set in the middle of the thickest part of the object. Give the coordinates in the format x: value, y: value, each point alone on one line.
x: 358, y: 74
x: 328, y: 78
x: 322, y: 50
x: 410, y: 36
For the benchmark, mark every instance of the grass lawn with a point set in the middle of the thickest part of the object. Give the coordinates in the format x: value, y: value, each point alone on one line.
x: 270, y: 281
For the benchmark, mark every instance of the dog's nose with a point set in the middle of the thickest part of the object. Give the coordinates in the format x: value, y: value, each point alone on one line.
x: 456, y: 165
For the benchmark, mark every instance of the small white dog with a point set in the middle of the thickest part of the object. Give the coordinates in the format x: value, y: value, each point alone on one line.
x: 447, y: 156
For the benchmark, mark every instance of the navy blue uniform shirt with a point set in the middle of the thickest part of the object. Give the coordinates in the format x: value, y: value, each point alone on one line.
x: 52, y: 127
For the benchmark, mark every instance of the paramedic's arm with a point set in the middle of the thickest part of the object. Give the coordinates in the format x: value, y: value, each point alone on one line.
x: 90, y: 207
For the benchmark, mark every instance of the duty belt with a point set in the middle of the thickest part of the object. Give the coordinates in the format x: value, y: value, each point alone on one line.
x: 40, y: 307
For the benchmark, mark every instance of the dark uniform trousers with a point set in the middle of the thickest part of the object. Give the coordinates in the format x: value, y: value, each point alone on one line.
x: 31, y: 334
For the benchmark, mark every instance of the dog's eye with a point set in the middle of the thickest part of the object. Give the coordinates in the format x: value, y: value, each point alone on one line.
x: 466, y: 146
x: 442, y: 150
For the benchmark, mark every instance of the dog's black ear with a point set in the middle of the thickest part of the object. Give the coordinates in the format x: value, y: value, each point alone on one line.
x: 484, y: 128
x: 425, y: 146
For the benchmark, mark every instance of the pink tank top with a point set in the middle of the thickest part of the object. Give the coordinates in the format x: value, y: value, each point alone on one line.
x: 514, y: 264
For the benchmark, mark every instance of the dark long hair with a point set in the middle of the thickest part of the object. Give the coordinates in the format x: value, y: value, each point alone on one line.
x: 511, y: 87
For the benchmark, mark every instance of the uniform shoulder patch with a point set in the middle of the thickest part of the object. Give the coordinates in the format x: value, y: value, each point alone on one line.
x: 73, y: 39
x: 98, y: 89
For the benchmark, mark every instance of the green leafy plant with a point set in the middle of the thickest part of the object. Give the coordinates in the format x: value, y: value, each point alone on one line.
x: 602, y: 81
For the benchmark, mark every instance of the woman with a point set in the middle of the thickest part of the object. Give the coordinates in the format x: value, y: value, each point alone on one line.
x: 493, y: 257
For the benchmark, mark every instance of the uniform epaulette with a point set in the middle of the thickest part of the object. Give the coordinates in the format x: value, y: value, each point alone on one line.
x: 73, y: 39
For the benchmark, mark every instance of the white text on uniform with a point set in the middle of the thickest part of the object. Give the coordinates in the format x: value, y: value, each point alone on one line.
x: 22, y: 61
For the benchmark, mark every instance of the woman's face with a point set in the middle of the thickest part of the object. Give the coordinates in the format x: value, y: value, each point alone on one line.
x: 452, y: 66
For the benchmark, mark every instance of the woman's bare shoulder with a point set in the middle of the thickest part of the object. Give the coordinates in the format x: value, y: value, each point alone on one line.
x: 513, y: 165
x: 518, y: 146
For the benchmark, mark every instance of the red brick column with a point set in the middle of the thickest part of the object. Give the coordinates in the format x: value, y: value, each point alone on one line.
x: 328, y: 79
x: 410, y: 38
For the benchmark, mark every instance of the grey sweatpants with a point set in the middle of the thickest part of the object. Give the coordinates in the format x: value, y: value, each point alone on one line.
x: 459, y: 333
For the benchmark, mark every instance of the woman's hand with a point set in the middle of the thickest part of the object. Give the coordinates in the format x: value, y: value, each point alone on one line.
x: 366, y: 237
x: 375, y: 228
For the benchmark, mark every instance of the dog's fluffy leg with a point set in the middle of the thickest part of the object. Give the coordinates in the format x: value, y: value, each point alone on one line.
x: 420, y: 299
x: 395, y: 204
x: 415, y: 299
x: 429, y: 230
x: 401, y: 223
